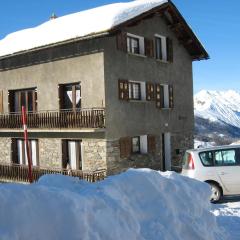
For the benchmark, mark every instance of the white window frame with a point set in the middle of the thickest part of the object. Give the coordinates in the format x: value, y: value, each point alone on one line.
x: 142, y: 90
x: 143, y: 144
x: 163, y: 47
x: 166, y: 102
x: 141, y: 44
x: 22, y: 152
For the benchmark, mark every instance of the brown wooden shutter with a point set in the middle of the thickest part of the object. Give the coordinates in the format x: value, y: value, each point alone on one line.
x: 150, y: 91
x: 122, y: 41
x: 125, y: 147
x: 10, y: 101
x: 64, y: 153
x: 169, y: 50
x: 60, y: 96
x: 34, y: 92
x: 1, y: 101
x: 123, y: 89
x: 151, y: 144
x: 14, y: 151
x: 149, y: 47
x: 159, y: 95
x: 170, y: 89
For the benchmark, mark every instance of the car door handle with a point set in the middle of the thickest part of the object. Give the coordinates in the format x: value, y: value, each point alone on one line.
x: 223, y: 173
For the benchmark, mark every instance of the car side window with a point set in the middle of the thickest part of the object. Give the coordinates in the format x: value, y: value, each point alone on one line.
x: 225, y: 157
x: 206, y: 158
x: 218, y: 158
x: 229, y: 157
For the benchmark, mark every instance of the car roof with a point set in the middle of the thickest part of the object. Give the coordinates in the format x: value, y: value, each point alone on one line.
x: 214, y: 148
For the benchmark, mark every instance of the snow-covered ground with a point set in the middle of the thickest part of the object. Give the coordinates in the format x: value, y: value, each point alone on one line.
x: 228, y: 216
x: 135, y: 205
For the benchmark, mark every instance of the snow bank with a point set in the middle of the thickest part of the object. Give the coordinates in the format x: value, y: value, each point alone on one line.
x: 75, y: 25
x: 138, y: 204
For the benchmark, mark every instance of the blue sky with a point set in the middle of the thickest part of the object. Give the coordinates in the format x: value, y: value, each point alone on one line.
x: 216, y: 23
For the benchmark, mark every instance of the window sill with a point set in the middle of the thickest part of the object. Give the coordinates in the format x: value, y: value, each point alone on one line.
x: 162, y: 61
x: 138, y: 101
x: 137, y: 55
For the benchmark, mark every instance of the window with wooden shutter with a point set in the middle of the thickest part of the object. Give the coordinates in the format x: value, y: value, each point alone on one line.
x: 1, y: 101
x: 14, y: 151
x: 122, y: 41
x: 151, y: 144
x: 150, y: 91
x: 169, y: 50
x: 123, y: 89
x: 10, y: 101
x: 159, y: 96
x: 149, y: 47
x: 170, y: 88
x: 60, y: 96
x: 65, y: 159
x: 125, y: 147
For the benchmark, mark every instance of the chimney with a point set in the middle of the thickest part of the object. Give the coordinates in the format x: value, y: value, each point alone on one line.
x: 53, y: 16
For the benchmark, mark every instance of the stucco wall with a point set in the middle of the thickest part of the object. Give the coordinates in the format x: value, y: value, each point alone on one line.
x: 128, y: 118
x: 88, y: 70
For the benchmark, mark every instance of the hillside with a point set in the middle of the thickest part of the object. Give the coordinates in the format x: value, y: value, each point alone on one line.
x: 217, y: 116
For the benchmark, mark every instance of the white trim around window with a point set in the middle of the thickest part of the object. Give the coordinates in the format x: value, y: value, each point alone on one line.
x: 142, y: 91
x: 160, y: 47
x: 140, y: 44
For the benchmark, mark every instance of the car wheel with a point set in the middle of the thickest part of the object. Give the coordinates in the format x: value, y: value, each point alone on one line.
x: 216, y: 193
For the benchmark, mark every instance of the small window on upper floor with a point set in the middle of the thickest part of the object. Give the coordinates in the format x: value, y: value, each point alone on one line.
x: 163, y: 48
x: 135, y: 44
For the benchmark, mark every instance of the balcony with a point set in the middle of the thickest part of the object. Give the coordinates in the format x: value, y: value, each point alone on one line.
x: 19, y: 173
x: 64, y: 119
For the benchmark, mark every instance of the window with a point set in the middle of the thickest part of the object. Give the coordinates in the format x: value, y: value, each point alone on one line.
x: 19, y: 98
x: 164, y: 96
x: 206, y: 158
x: 136, y: 145
x: 135, y: 44
x: 225, y: 157
x: 131, y: 90
x: 71, y: 154
x: 134, y: 91
x: 70, y: 96
x: 163, y: 48
x: 19, y: 154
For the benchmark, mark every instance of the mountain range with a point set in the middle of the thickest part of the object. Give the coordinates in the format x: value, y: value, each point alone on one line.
x: 217, y: 116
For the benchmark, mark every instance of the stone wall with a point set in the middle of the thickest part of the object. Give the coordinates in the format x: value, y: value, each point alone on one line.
x: 50, y: 152
x: 5, y: 150
x: 115, y: 164
x: 180, y: 143
x: 94, y: 154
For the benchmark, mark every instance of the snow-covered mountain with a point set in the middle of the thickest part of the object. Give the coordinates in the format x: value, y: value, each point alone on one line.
x: 217, y: 113
x: 218, y: 106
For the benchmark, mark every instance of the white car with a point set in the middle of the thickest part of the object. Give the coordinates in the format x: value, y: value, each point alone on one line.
x: 218, y: 166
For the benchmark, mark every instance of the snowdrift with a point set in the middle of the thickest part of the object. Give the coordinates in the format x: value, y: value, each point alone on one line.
x: 138, y: 204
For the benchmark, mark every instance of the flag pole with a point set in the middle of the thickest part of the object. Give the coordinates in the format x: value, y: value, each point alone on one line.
x: 26, y: 143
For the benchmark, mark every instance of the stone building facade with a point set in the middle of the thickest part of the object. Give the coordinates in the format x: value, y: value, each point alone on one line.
x: 118, y: 99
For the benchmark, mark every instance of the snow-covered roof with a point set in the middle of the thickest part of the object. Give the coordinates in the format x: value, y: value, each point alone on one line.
x: 81, y: 24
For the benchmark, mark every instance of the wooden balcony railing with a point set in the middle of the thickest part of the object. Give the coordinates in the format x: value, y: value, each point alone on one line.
x: 84, y: 118
x: 19, y: 173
